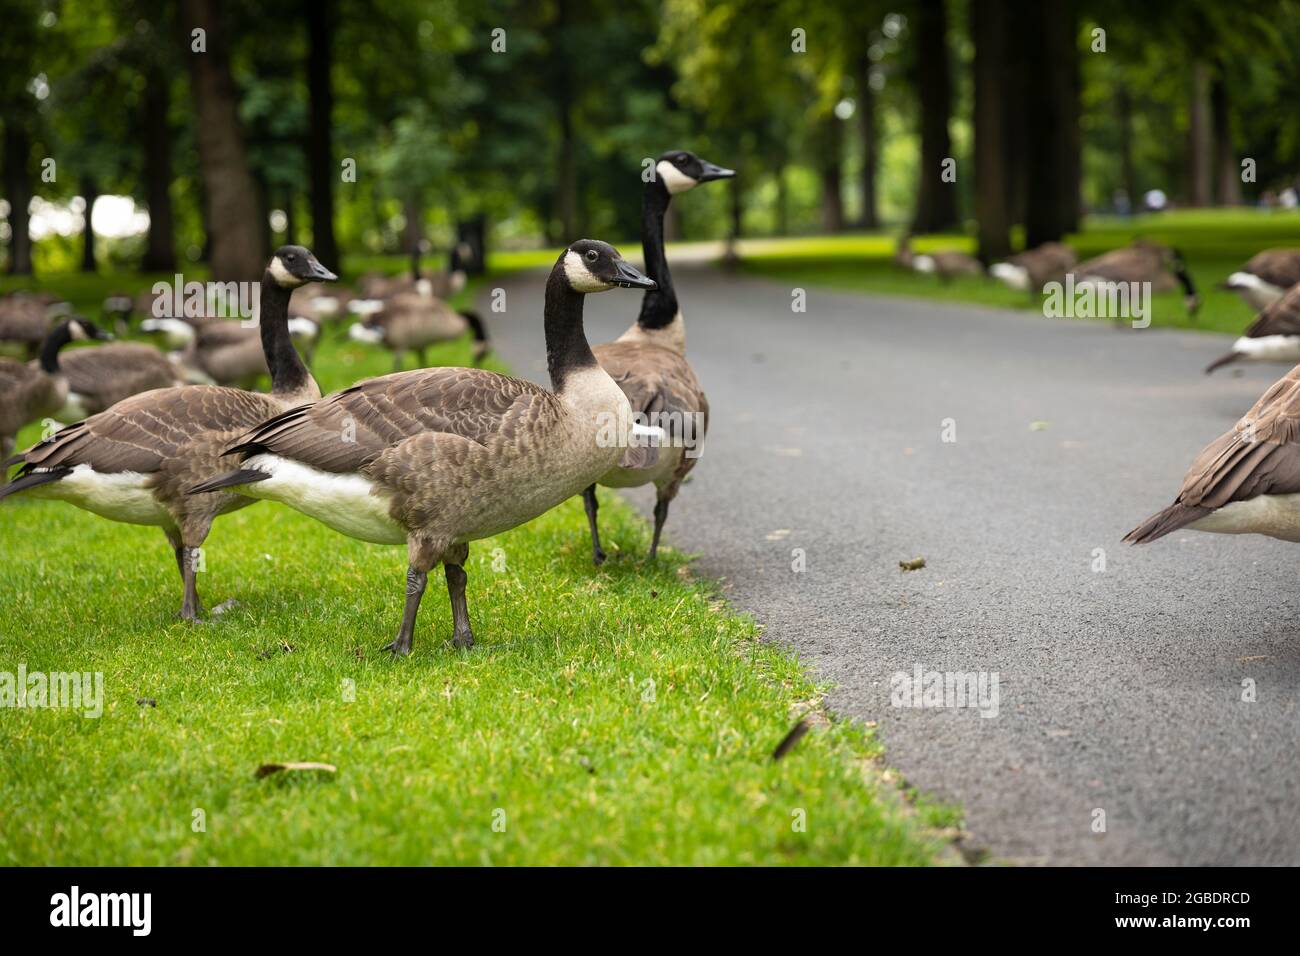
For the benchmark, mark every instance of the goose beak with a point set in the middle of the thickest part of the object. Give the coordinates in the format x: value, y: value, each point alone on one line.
x: 629, y: 278
x: 320, y: 274
x: 712, y: 172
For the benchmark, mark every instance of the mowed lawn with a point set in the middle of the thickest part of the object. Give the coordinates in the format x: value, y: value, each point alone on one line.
x: 620, y: 715
x: 1214, y: 243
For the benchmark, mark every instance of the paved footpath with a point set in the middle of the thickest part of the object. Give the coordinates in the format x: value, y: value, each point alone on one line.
x: 1119, y: 690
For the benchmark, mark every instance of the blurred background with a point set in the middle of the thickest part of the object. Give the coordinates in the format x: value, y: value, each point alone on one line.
x: 363, y: 128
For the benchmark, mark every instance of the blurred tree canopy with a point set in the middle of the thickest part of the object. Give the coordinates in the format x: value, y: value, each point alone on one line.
x: 365, y: 126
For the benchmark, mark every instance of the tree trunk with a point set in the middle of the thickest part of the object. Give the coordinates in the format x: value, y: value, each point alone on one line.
x: 936, y: 201
x: 1051, y: 105
x: 18, y: 190
x: 1124, y: 107
x: 1199, y: 162
x: 320, y: 149
x: 831, y: 168
x: 473, y: 233
x: 90, y: 193
x: 1227, y: 172
x: 414, y: 232
x: 567, y: 156
x: 160, y: 253
x: 236, y: 233
x: 867, y: 133
x: 735, y: 224
x: 992, y: 212
x: 782, y: 202
x: 1014, y: 118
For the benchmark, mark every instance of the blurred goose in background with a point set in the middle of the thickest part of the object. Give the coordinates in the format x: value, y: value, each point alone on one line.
x: 1246, y: 481
x: 29, y: 392
x: 26, y: 318
x: 1274, y: 336
x: 1032, y: 269
x: 412, y: 321
x: 229, y: 352
x: 437, y: 458
x: 1143, y: 261
x: 945, y: 263
x: 101, y: 377
x: 648, y: 361
x: 134, y: 462
x: 1266, y: 277
x: 443, y: 284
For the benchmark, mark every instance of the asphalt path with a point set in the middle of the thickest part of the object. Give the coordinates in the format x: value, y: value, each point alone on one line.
x: 1121, y: 673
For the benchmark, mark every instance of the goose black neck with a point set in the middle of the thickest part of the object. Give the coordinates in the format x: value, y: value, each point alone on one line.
x: 58, y: 337
x: 288, y: 374
x: 567, y: 350
x: 659, y: 307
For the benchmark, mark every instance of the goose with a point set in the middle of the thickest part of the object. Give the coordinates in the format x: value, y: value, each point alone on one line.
x: 1142, y: 261
x: 228, y: 352
x: 26, y: 317
x: 101, y: 377
x: 29, y: 392
x: 1032, y: 269
x: 1246, y: 481
x: 1266, y: 277
x: 944, y: 263
x: 1274, y: 336
x: 442, y: 284
x: 649, y: 362
x: 437, y: 458
x: 412, y: 321
x: 133, y: 462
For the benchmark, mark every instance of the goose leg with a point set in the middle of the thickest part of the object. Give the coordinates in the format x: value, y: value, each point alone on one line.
x: 662, y: 500
x: 589, y: 501
x: 421, y: 558
x: 453, y: 563
x: 186, y: 564
x: 415, y: 584
x: 420, y: 358
x: 397, y: 361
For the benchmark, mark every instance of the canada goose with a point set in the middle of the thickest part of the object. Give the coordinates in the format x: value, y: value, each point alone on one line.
x: 101, y: 377
x: 1274, y: 336
x: 134, y: 462
x: 1032, y: 269
x: 649, y: 362
x: 29, y: 392
x: 1246, y: 481
x: 1266, y: 277
x: 26, y: 317
x: 228, y: 352
x: 1142, y: 261
x: 412, y: 321
x: 944, y: 263
x: 436, y: 458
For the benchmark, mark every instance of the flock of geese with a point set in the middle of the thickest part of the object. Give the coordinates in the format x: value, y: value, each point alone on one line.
x: 432, y: 458
x: 435, y: 458
x: 1246, y: 481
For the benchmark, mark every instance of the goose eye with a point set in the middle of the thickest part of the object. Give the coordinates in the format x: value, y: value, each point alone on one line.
x: 592, y: 255
x: 290, y: 257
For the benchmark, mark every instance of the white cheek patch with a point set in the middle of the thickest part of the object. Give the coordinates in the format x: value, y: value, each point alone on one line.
x: 580, y: 277
x: 674, y: 180
x: 78, y: 333
x: 282, y: 276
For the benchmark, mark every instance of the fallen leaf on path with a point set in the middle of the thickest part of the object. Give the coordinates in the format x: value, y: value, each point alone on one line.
x: 916, y: 564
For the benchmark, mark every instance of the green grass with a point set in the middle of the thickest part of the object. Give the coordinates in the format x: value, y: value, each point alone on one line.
x: 1214, y: 243
x: 621, y: 715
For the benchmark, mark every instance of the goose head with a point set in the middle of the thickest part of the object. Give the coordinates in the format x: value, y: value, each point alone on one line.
x: 680, y: 170
x: 79, y: 329
x: 292, y: 266
x: 594, y: 266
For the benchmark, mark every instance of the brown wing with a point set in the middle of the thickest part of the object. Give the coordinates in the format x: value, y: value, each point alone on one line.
x: 143, y: 431
x: 106, y: 374
x: 351, y: 428
x: 1280, y: 318
x: 1260, y: 456
x: 23, y: 319
x: 25, y: 393
x: 1140, y: 262
x: 660, y: 385
x: 1279, y: 267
